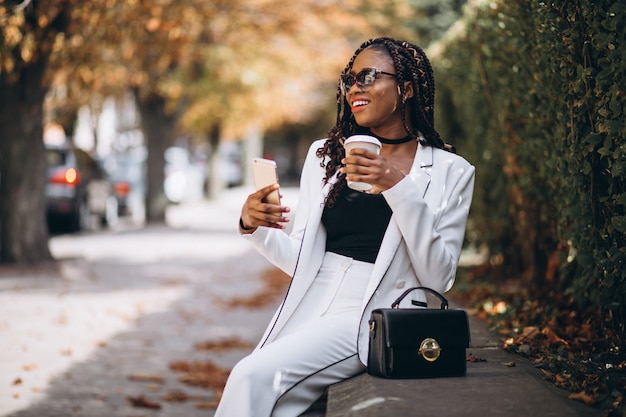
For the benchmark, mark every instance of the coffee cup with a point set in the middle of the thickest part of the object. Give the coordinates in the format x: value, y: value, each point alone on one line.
x: 366, y: 142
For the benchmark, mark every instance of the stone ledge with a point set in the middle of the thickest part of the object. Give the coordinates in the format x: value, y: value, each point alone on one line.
x: 494, y: 387
x: 502, y: 385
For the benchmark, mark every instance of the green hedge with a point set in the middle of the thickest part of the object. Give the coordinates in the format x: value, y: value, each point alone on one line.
x: 533, y: 94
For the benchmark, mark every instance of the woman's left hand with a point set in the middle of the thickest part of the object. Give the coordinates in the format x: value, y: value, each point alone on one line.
x: 364, y: 166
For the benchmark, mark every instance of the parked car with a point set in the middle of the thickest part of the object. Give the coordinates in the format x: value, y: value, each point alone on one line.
x: 78, y: 190
x: 127, y: 171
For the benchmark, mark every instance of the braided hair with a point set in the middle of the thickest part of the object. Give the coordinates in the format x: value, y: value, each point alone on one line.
x: 411, y: 64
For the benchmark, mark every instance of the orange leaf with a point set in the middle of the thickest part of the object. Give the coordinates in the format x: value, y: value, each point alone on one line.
x: 206, y: 405
x: 176, y: 396
x: 146, y: 378
x: 143, y: 402
x: 226, y: 344
x: 529, y: 332
x: 552, y: 337
x: 584, y: 397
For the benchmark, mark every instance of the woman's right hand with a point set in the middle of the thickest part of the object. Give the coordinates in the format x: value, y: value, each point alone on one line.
x: 255, y: 212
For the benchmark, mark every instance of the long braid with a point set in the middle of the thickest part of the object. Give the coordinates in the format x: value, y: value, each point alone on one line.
x: 411, y: 64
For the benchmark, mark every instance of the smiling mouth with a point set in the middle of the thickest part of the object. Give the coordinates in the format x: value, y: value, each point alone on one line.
x: 359, y: 105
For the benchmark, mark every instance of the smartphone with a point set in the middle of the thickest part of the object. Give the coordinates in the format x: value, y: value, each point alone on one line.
x: 265, y: 173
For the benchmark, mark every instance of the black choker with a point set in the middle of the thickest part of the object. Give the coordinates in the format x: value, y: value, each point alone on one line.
x: 394, y: 141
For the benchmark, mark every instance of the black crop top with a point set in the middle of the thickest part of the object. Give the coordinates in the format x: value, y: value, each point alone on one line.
x: 356, y: 224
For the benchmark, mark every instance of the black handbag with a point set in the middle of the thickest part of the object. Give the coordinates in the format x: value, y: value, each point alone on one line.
x: 418, y: 342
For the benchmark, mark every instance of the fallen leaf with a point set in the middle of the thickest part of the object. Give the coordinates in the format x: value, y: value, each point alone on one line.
x: 552, y: 337
x: 17, y: 381
x: 509, y: 364
x: 472, y: 358
x: 146, y: 378
x: 226, y: 344
x: 176, y: 396
x: 207, y: 405
x: 201, y: 374
x: 275, y: 283
x: 584, y: 397
x: 529, y: 333
x: 142, y: 402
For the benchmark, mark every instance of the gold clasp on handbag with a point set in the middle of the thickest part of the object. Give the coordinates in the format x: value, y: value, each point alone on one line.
x: 429, y: 349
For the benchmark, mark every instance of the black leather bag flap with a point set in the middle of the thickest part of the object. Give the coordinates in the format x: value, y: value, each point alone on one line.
x: 409, y: 327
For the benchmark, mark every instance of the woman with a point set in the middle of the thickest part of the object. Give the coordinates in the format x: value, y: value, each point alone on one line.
x: 350, y: 252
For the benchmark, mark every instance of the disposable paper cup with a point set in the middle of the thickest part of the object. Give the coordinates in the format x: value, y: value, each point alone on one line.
x: 366, y: 142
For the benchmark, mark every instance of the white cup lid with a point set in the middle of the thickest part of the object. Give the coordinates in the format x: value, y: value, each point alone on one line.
x: 363, y: 138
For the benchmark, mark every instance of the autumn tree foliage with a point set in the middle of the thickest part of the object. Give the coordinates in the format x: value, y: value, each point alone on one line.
x: 206, y: 68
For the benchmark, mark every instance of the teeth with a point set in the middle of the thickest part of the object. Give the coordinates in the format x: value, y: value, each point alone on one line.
x: 359, y: 103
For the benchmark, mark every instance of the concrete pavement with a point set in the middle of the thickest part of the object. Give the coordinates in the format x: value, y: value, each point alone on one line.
x: 101, y: 326
x: 98, y: 330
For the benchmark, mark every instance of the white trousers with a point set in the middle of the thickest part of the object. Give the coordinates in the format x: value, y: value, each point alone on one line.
x: 312, y: 351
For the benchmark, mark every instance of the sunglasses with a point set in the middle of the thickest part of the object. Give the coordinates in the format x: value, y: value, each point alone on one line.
x: 364, y: 79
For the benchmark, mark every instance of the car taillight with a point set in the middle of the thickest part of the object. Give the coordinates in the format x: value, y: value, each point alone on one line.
x: 66, y: 177
x: 121, y: 188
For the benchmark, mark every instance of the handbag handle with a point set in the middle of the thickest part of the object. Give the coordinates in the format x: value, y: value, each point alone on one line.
x: 444, y: 301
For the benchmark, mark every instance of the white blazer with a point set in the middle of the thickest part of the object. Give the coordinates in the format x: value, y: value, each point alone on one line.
x: 421, y: 246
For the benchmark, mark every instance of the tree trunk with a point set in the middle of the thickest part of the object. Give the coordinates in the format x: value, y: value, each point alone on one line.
x: 215, y: 184
x: 158, y: 128
x: 23, y: 230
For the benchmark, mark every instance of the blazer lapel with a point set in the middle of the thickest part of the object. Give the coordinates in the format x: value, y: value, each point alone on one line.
x: 420, y: 174
x: 312, y: 249
x: 422, y: 166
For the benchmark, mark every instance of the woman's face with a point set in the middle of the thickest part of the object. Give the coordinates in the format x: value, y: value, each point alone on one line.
x: 376, y: 106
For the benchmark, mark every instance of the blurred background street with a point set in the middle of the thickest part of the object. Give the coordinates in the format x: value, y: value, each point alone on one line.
x: 97, y: 333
